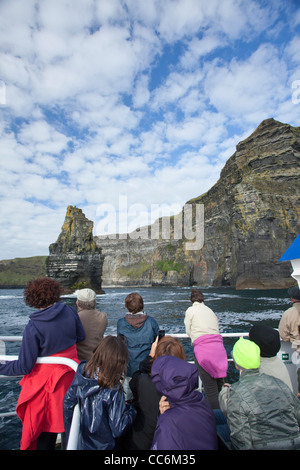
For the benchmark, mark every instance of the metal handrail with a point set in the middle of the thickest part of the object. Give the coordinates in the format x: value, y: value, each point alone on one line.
x: 40, y: 360
x: 44, y: 360
x: 48, y: 360
x: 175, y: 335
x: 11, y: 338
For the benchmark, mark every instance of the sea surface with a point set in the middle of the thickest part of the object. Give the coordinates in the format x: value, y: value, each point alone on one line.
x: 237, y: 312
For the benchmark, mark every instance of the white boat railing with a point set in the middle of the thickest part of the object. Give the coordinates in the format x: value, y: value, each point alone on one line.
x: 44, y: 360
x: 290, y: 357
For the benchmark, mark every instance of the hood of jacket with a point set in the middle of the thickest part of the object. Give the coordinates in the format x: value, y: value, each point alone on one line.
x: 88, y: 386
x: 136, y: 319
x: 48, y: 313
x: 175, y: 378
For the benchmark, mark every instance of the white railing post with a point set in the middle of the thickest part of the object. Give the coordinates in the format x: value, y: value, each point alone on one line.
x: 74, y: 429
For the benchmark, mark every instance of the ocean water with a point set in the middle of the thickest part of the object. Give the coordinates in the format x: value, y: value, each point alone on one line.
x: 237, y: 311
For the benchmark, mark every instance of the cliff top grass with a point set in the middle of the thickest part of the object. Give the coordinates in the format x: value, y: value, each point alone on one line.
x: 18, y: 272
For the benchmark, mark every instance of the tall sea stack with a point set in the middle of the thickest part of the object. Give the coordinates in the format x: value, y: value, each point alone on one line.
x: 74, y: 259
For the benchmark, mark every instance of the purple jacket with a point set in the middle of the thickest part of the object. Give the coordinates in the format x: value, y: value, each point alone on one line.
x: 189, y: 424
x: 48, y: 332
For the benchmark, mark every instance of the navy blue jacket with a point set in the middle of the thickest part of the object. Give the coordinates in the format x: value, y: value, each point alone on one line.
x: 48, y: 332
x: 138, y: 340
x: 104, y: 416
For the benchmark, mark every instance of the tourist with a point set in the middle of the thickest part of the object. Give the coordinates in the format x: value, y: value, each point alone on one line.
x: 290, y: 323
x: 262, y: 412
x: 296, y: 346
x: 268, y: 340
x: 290, y: 320
x: 97, y: 386
x: 202, y: 326
x: 146, y: 397
x: 139, y: 330
x: 93, y: 321
x: 53, y: 330
x: 188, y: 422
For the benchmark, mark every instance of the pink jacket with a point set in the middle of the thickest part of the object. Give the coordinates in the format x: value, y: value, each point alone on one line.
x: 211, y: 355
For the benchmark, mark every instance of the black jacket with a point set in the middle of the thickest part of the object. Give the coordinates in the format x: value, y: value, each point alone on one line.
x: 146, y: 401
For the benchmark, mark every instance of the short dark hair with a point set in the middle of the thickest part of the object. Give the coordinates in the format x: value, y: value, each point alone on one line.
x: 43, y: 292
x: 196, y: 296
x: 134, y: 303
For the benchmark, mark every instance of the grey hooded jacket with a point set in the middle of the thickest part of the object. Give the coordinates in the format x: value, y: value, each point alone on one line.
x: 262, y: 412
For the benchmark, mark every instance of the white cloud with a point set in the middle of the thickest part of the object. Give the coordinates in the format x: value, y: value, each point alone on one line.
x: 141, y: 94
x: 42, y: 138
x: 293, y: 50
x: 248, y: 88
x: 199, y: 48
x: 141, y: 98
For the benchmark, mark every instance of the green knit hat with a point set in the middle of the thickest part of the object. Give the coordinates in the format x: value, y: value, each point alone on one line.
x: 246, y: 354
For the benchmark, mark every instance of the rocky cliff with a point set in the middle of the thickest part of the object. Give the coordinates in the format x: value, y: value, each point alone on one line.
x: 144, y: 262
x: 252, y: 212
x: 251, y: 216
x: 74, y: 259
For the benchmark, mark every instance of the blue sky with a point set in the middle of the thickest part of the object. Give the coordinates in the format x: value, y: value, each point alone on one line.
x: 131, y: 99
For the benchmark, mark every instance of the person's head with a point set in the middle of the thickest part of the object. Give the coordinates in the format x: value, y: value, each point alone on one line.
x: 109, y: 362
x: 266, y: 338
x: 246, y: 354
x: 169, y: 346
x: 196, y: 296
x: 294, y: 293
x: 86, y: 299
x: 41, y: 293
x: 134, y: 303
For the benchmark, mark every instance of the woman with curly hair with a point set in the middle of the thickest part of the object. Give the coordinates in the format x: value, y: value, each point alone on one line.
x: 52, y: 330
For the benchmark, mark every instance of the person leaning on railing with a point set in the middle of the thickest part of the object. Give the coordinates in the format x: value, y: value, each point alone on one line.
x: 202, y: 326
x: 52, y: 330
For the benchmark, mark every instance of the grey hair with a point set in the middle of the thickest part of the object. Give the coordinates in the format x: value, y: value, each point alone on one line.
x: 86, y: 305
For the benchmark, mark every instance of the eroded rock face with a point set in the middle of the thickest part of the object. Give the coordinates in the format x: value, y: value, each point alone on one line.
x: 251, y: 217
x: 74, y: 259
x: 252, y: 212
x: 144, y: 262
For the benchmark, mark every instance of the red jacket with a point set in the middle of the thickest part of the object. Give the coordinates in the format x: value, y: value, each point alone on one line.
x: 40, y: 404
